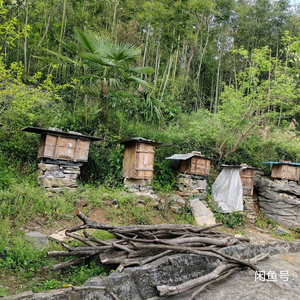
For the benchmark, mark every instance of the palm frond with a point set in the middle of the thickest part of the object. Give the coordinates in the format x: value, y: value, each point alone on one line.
x: 84, y: 40
x: 122, y: 52
x: 141, y: 70
x: 114, y: 83
x: 69, y: 47
x: 50, y: 60
x: 97, y: 59
x: 139, y: 81
x: 63, y: 57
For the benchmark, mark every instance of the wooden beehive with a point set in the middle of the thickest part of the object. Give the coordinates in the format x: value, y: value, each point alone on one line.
x: 284, y: 171
x: 138, y: 159
x: 64, y: 148
x: 59, y: 145
x: 195, y: 165
x: 247, y: 177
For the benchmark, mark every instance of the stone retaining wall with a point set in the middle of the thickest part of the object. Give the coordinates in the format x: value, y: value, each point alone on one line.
x: 57, y: 174
x: 192, y: 184
x: 139, y: 283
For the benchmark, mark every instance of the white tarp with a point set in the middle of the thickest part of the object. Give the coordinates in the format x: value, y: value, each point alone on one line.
x: 227, y: 191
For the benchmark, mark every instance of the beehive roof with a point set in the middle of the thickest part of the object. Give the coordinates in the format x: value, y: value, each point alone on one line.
x: 71, y: 134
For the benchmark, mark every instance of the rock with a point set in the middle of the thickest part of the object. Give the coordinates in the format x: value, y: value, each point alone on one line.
x: 48, y: 167
x: 20, y: 296
x: 81, y: 202
x: 192, y: 184
x: 71, y: 172
x: 146, y: 188
x: 55, y: 190
x: 37, y: 239
x: 280, y: 201
x: 137, y: 283
x: 33, y: 228
x: 202, y: 214
x: 184, y: 181
x: 156, y: 205
x: 131, y: 186
x: 139, y: 182
x: 280, y: 230
x: 63, y: 162
x: 114, y: 201
x: 177, y: 199
x: 146, y: 194
x: 55, y: 129
x: 175, y: 208
x: 55, y: 174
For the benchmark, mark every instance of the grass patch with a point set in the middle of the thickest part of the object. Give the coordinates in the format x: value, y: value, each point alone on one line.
x: 264, y: 222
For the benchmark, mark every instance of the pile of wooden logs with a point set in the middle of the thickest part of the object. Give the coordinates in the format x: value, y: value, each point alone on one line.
x: 142, y: 244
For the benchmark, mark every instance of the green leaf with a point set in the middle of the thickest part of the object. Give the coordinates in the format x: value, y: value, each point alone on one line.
x: 84, y: 40
x: 139, y: 81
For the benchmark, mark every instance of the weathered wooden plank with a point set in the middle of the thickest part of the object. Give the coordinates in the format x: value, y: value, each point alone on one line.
x: 129, y: 160
x: 51, y: 140
x: 42, y: 146
x: 76, y: 151
x: 84, y: 145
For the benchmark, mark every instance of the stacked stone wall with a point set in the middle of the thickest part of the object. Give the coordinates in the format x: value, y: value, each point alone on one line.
x: 192, y: 185
x: 138, y: 185
x: 57, y: 174
x: 250, y: 208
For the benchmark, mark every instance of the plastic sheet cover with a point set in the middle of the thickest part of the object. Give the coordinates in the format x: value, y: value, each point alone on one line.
x: 227, y: 191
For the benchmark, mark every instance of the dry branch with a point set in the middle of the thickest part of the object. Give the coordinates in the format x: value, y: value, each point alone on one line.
x: 165, y: 290
x: 142, y: 244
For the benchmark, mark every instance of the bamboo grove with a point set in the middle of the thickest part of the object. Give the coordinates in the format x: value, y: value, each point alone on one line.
x: 220, y: 75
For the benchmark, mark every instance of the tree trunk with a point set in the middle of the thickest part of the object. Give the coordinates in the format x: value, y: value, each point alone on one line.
x: 25, y: 38
x: 194, y: 48
x: 62, y: 24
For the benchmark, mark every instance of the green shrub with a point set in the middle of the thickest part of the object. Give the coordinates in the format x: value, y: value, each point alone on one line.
x: 264, y: 222
x: 141, y: 216
x: 231, y: 220
x: 298, y: 232
x: 164, y: 177
x: 19, y: 256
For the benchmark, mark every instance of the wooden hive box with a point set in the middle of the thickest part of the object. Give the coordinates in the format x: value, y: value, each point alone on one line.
x: 196, y: 166
x: 63, y: 148
x: 247, y: 177
x: 193, y: 163
x: 283, y: 171
x: 138, y: 162
x: 60, y: 145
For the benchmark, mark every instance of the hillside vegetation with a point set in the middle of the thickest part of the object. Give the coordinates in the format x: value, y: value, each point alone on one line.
x: 216, y: 76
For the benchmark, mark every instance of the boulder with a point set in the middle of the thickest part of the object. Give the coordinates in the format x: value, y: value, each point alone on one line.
x: 280, y: 230
x: 280, y: 201
x: 37, y: 239
x: 202, y: 214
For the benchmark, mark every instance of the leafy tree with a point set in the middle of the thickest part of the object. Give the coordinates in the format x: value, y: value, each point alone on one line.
x: 266, y: 92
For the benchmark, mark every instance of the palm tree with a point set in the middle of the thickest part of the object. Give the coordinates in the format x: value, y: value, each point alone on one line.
x: 107, y: 64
